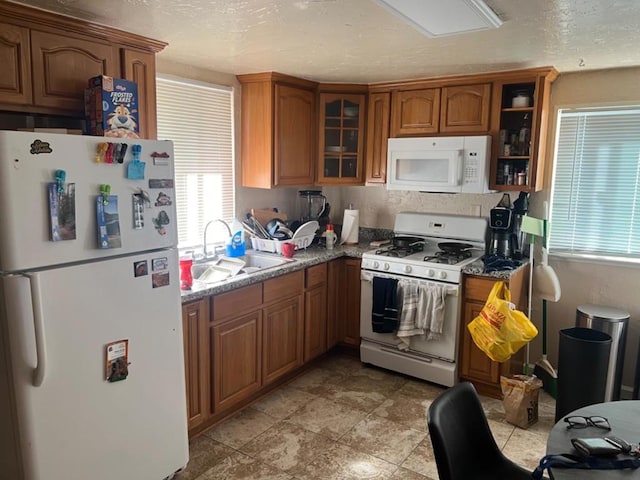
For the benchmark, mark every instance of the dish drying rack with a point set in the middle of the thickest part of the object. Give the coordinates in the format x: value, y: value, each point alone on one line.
x: 275, y: 246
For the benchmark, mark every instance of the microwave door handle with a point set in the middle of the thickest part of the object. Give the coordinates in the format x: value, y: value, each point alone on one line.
x: 456, y: 173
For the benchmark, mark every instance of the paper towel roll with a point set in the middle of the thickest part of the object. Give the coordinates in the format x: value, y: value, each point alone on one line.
x: 350, y: 227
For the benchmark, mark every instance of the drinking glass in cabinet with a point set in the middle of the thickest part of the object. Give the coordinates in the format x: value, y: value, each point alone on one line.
x: 349, y: 167
x: 332, y: 166
x: 350, y: 140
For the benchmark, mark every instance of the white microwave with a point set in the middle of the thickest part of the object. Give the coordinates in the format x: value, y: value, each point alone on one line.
x: 439, y: 164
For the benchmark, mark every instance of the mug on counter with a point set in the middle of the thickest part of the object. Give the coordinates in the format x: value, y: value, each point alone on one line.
x: 288, y: 249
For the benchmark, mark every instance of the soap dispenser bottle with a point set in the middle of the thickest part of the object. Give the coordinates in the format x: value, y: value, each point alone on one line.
x: 236, y: 247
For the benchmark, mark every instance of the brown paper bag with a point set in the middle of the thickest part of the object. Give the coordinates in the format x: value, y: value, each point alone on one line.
x: 520, y: 399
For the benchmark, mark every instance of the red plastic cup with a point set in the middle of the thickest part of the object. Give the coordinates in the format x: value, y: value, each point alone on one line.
x: 186, y: 279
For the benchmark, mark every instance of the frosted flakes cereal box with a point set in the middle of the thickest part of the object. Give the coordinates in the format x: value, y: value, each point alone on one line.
x: 111, y: 107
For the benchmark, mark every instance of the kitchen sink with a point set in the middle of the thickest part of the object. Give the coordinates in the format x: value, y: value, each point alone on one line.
x: 225, y: 268
x: 264, y: 260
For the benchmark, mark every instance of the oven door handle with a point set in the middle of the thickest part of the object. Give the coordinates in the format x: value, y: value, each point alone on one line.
x: 366, y: 276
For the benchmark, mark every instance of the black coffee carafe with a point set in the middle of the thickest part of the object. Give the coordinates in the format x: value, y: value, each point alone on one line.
x: 502, y: 240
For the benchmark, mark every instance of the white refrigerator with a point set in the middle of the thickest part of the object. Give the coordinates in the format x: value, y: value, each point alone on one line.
x: 91, y: 356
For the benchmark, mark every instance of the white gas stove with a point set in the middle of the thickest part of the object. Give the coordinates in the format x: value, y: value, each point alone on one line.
x: 427, y: 249
x: 418, y: 254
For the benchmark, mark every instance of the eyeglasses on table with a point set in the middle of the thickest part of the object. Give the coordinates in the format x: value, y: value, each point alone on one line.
x: 584, y: 422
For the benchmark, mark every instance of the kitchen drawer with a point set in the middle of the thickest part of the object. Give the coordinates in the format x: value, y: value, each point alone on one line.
x: 316, y: 275
x: 284, y: 286
x: 477, y: 288
x: 233, y: 303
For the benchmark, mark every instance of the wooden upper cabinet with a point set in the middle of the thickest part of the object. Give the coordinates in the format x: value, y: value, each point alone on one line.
x: 15, y: 74
x: 63, y: 65
x: 47, y: 60
x: 378, y: 113
x: 278, y: 130
x: 140, y: 67
x: 294, y: 136
x: 341, y: 139
x: 415, y: 112
x: 465, y: 108
x: 446, y: 109
x: 527, y: 156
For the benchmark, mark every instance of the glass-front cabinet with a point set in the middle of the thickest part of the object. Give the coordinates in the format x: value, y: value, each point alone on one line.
x: 341, y: 139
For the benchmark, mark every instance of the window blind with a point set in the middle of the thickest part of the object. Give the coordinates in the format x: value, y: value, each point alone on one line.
x: 198, y: 118
x: 595, y: 203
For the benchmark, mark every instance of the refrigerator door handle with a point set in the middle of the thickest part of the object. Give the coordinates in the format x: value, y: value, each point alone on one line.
x: 38, y: 326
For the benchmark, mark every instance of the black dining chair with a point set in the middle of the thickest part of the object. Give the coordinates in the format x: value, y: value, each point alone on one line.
x: 463, y: 445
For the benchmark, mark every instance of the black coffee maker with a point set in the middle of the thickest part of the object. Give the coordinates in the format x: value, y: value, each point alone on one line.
x: 503, y: 237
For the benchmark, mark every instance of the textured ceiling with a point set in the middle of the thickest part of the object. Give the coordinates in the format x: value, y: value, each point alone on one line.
x: 359, y: 41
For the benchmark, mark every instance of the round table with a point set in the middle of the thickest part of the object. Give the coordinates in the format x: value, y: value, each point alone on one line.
x: 624, y: 418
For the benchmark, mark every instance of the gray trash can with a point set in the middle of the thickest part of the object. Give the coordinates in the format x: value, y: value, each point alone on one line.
x: 613, y: 322
x: 583, y: 355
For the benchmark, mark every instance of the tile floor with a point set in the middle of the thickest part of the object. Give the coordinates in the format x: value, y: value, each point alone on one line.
x: 344, y: 420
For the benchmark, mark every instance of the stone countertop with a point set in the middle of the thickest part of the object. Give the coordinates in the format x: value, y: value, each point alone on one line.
x: 313, y: 256
x: 303, y: 259
x: 477, y: 268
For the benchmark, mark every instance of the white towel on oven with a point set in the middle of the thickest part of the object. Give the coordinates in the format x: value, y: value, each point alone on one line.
x: 410, y: 300
x: 435, y: 310
x: 422, y: 308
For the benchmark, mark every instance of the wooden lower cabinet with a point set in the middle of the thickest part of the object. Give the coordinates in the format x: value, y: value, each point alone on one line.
x: 282, y: 339
x: 343, y: 293
x: 475, y: 366
x: 334, y: 307
x: 315, y: 312
x: 241, y: 343
x: 236, y: 358
x: 195, y: 335
x: 352, y: 302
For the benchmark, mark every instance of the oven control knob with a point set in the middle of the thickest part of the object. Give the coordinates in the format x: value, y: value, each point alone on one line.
x: 430, y: 273
x: 407, y: 269
x: 442, y: 275
x: 376, y: 265
x: 386, y: 266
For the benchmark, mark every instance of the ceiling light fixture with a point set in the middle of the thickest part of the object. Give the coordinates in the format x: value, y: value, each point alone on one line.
x: 439, y: 18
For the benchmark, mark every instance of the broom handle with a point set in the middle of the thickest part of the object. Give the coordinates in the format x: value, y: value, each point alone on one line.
x: 544, y: 302
x: 544, y: 328
x: 532, y: 240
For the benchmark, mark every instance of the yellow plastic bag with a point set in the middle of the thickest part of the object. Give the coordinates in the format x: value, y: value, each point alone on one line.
x: 500, y: 330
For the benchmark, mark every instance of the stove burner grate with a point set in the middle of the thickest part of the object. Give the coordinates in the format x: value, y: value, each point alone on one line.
x: 450, y: 258
x: 394, y: 251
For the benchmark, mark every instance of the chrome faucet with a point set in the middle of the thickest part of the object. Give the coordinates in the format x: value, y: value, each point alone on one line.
x: 204, y: 247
